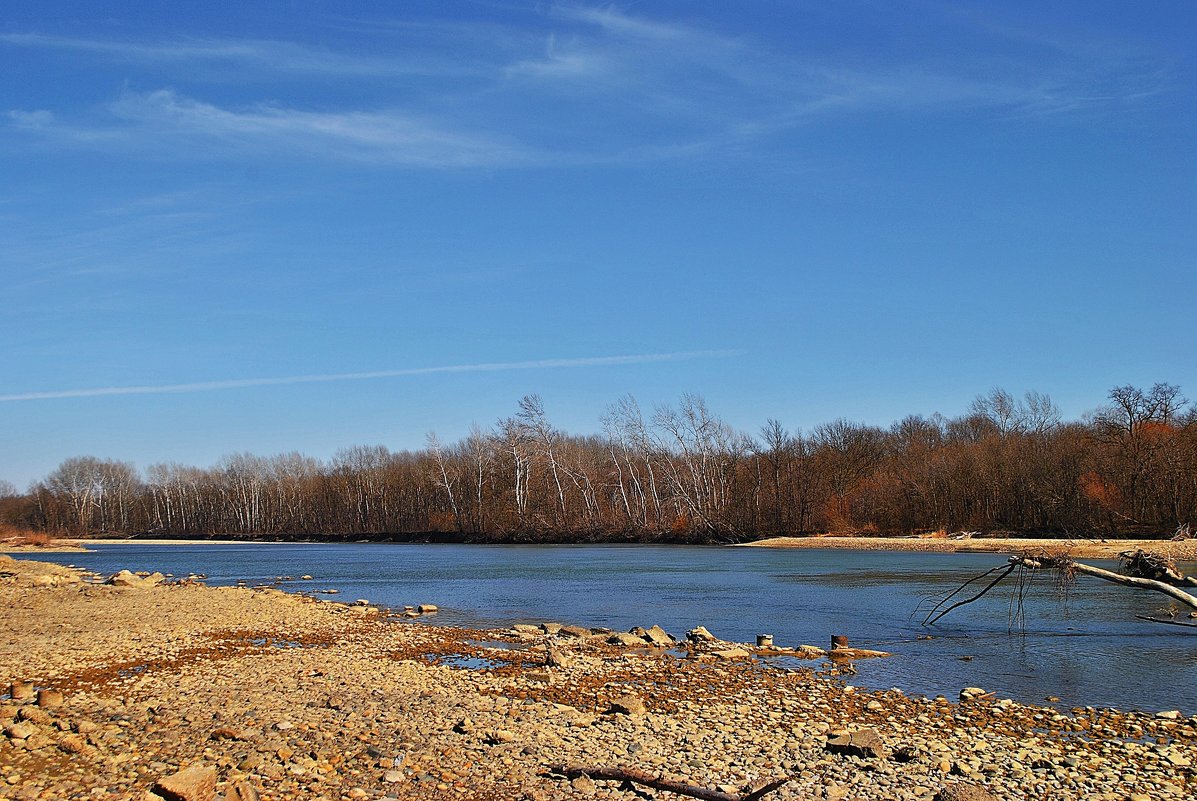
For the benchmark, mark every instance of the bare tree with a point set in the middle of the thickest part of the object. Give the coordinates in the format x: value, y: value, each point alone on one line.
x: 447, y: 477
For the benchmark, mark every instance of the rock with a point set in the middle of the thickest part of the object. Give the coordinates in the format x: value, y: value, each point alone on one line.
x: 810, y: 652
x: 427, y: 609
x: 499, y: 736
x: 1172, y: 714
x: 973, y: 693
x: 658, y: 636
x: 574, y: 631
x: 72, y: 744
x: 700, y: 634
x: 627, y: 704
x: 557, y: 658
x: 21, y: 731
x: 196, y: 783
x: 584, y: 785
x: 34, y: 714
x: 393, y: 776
x: 21, y: 691
x: 625, y: 638
x: 964, y: 792
x: 241, y: 791
x: 524, y: 628
x: 126, y: 578
x: 49, y: 699
x: 864, y: 743
x: 874, y: 706
x: 550, y: 628
x: 731, y: 653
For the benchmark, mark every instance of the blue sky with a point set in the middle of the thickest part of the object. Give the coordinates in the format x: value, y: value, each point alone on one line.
x: 799, y: 210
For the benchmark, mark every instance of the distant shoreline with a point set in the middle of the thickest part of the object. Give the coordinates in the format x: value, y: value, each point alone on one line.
x: 1184, y: 550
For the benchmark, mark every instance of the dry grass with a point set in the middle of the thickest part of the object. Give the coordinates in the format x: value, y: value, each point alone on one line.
x: 24, y: 536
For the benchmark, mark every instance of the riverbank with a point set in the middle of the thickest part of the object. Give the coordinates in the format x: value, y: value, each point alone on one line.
x: 1184, y: 550
x: 303, y: 699
x: 53, y: 546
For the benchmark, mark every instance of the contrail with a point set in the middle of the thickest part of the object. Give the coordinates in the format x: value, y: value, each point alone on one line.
x: 489, y: 367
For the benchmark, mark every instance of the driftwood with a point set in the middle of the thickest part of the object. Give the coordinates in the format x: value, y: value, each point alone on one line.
x: 1141, y: 570
x: 657, y: 783
x: 1070, y: 565
x: 1167, y: 621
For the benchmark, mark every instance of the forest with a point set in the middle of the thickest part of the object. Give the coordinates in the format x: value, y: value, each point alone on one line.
x: 676, y: 474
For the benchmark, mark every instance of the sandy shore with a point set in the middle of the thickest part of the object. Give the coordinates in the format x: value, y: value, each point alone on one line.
x: 1080, y: 548
x: 280, y: 696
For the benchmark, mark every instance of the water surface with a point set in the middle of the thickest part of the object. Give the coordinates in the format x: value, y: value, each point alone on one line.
x: 1083, y: 646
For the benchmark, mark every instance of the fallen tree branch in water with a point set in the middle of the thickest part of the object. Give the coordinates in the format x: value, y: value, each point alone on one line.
x: 1164, y: 578
x: 936, y: 613
x: 658, y: 783
x: 1166, y: 621
x: 1065, y: 563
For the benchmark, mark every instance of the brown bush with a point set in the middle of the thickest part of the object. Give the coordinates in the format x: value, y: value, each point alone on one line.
x: 24, y: 536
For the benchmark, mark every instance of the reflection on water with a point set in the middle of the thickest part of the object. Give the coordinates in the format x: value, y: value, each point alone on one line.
x: 1085, y: 646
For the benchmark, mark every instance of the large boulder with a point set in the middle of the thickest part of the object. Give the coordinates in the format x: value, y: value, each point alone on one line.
x: 700, y: 634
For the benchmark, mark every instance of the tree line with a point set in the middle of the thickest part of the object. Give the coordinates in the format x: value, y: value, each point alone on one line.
x: 677, y: 474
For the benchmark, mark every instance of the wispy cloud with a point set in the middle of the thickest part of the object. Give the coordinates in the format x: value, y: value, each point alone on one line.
x: 488, y: 367
x: 261, y: 57
x: 167, y: 124
x: 572, y: 85
x: 395, y: 137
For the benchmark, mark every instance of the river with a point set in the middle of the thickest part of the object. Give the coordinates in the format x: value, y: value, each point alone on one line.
x: 1083, y: 646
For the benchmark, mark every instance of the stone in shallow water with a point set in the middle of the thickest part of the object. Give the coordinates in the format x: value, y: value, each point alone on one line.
x: 731, y: 653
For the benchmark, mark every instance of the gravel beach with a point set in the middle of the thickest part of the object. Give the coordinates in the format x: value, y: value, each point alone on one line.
x: 1182, y: 550
x: 159, y: 689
